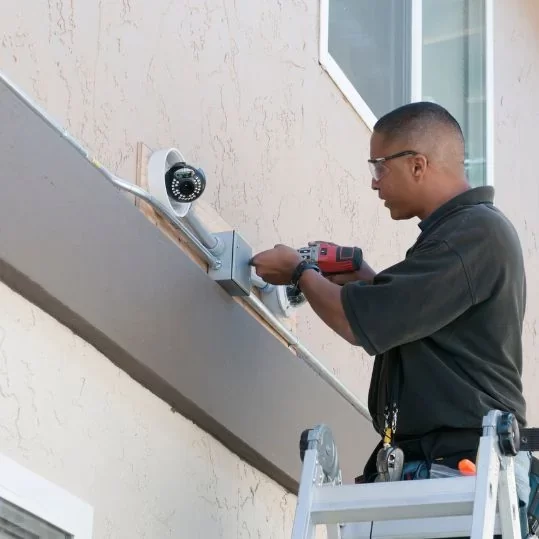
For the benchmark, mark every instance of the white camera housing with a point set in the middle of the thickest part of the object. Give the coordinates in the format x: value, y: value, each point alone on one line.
x: 276, y: 301
x: 276, y: 298
x: 158, y: 165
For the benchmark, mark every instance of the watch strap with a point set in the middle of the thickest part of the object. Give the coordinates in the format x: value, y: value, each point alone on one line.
x: 300, y: 268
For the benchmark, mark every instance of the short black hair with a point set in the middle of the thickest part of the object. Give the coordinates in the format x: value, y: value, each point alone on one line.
x: 416, y: 119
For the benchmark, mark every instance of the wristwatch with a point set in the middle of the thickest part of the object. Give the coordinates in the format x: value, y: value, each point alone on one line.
x: 300, y: 268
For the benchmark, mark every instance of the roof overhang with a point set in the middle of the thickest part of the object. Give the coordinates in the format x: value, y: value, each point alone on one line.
x: 74, y: 245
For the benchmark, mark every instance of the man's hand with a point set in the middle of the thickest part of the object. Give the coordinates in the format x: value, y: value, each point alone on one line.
x: 276, y: 266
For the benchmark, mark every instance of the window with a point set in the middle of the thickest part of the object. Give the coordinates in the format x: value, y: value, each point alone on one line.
x: 33, y: 508
x: 387, y: 53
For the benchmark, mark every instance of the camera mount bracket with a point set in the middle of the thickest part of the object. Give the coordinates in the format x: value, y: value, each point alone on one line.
x: 159, y: 164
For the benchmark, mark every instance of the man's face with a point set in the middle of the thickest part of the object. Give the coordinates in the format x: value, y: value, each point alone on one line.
x: 394, y: 179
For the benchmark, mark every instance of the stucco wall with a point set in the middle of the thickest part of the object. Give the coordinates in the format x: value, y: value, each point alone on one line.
x: 237, y: 87
x: 516, y: 175
x: 69, y: 415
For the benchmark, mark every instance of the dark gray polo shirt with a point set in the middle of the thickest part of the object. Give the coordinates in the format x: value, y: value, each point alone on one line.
x: 453, y: 312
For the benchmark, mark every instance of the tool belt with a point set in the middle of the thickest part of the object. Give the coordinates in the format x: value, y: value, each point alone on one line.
x: 447, y: 447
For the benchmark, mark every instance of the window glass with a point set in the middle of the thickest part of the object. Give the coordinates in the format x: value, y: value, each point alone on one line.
x: 370, y: 41
x: 454, y: 71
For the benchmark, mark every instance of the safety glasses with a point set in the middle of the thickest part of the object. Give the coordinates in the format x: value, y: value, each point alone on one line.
x: 377, y: 167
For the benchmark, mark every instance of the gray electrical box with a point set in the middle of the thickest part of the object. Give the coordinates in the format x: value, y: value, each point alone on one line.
x: 234, y: 275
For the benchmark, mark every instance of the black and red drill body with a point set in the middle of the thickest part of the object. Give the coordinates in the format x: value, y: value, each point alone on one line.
x: 332, y: 258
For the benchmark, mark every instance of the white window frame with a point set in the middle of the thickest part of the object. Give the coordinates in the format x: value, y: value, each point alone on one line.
x: 338, y: 76
x: 489, y: 83
x: 45, y: 500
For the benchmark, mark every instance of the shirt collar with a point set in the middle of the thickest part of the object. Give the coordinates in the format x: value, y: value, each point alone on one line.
x: 470, y: 197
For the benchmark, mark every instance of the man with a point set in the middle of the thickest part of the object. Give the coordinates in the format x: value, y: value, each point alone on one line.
x: 445, y: 323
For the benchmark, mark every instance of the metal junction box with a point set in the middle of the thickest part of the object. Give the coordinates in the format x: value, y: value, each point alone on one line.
x: 234, y: 275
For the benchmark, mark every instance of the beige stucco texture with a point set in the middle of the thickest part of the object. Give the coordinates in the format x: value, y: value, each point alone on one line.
x: 516, y: 108
x: 69, y: 415
x: 237, y: 87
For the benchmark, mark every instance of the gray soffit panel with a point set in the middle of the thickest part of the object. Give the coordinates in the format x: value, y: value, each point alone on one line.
x: 75, y: 246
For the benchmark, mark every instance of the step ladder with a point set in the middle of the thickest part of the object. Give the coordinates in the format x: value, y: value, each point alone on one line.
x: 476, y: 506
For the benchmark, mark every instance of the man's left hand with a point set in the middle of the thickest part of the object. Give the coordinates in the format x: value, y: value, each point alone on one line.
x: 276, y: 266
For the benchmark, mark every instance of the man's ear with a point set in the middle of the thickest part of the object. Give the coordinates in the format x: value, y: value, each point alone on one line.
x: 419, y: 166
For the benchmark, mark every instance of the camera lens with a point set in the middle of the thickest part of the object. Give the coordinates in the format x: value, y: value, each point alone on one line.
x: 187, y: 188
x: 184, y: 183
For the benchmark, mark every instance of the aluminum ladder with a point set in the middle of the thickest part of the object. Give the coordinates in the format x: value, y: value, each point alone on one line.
x: 467, y: 506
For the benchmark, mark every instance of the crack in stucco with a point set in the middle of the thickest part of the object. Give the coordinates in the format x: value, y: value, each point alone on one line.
x: 223, y: 109
x: 9, y: 392
x: 283, y: 505
x: 51, y: 22
x: 276, y: 219
x: 67, y: 85
x: 97, y: 56
x: 251, y: 496
x: 147, y: 472
x: 126, y: 14
x: 6, y: 394
x: 234, y: 51
x: 60, y: 21
x: 82, y: 386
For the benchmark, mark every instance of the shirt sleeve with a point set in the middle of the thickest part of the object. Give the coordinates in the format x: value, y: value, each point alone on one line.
x: 409, y: 300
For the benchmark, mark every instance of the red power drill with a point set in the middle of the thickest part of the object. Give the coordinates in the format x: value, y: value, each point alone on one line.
x: 331, y: 258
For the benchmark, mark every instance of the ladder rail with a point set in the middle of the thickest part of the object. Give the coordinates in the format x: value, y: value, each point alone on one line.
x: 486, y: 489
x: 495, y: 487
x: 507, y: 496
x: 304, y: 527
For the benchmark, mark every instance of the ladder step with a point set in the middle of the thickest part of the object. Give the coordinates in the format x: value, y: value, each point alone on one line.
x: 413, y: 528
x: 395, y: 500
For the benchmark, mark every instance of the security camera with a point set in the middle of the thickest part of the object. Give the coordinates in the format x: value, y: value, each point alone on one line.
x: 173, y: 182
x: 281, y: 300
x: 177, y: 185
x: 184, y: 183
x: 295, y: 296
